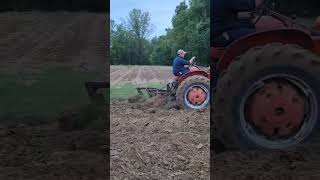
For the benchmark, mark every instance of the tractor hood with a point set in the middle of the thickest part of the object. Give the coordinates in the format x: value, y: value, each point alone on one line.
x: 271, y: 23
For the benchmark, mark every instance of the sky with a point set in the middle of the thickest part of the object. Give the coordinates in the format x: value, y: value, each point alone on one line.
x: 161, y: 12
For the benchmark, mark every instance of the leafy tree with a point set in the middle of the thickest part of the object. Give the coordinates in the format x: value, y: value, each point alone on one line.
x: 139, y: 25
x: 162, y: 51
x: 190, y: 31
x: 129, y: 44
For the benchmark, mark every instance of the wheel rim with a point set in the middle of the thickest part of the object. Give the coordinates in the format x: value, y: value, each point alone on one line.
x: 196, y: 96
x: 278, y: 111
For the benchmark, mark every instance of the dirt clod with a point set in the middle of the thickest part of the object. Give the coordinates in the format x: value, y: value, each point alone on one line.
x: 154, y: 103
x: 152, y: 111
x: 137, y: 99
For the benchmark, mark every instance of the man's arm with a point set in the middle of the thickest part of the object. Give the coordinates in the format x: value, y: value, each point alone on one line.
x: 184, y: 62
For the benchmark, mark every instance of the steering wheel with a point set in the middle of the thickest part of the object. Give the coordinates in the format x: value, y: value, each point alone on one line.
x: 193, y: 62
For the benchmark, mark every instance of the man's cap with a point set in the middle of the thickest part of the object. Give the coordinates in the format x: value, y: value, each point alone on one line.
x: 181, y: 51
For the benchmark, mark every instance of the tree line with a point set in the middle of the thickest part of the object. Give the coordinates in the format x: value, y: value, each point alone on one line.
x: 190, y: 31
x: 55, y: 5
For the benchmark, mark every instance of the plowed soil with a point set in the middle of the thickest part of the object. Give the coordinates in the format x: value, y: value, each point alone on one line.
x: 33, y: 42
x: 44, y: 152
x: 156, y: 143
x: 300, y: 164
x: 150, y: 140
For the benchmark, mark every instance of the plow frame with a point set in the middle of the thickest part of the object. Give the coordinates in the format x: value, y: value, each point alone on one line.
x: 167, y: 90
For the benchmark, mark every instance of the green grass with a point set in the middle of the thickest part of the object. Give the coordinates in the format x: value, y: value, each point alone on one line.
x: 51, y: 93
x: 123, y: 92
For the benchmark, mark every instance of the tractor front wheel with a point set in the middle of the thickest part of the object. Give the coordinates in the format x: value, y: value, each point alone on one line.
x: 194, y: 92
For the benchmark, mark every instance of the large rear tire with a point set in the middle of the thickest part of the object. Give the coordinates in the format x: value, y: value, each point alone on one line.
x: 268, y: 99
x: 194, y: 93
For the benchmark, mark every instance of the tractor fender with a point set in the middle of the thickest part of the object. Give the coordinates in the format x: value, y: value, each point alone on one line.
x: 283, y: 36
x: 192, y: 73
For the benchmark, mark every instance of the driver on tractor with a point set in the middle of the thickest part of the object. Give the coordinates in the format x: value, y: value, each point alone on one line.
x: 180, y: 65
x: 231, y: 20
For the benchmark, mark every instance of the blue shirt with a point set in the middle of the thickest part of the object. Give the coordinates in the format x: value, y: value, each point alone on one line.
x: 224, y: 17
x: 178, y: 65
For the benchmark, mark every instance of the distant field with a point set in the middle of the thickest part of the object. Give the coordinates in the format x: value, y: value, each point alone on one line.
x: 140, y: 74
x: 125, y: 79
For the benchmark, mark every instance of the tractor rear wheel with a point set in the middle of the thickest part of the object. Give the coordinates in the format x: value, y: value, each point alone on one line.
x: 194, y: 93
x: 268, y: 99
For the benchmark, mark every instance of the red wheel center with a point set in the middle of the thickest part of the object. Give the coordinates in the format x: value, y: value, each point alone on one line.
x: 277, y: 109
x: 196, y: 96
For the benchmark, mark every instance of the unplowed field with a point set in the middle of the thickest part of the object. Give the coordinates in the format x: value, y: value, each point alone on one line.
x: 140, y: 74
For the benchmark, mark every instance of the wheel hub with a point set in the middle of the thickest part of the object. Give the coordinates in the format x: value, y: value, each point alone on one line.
x: 196, y: 96
x: 276, y: 110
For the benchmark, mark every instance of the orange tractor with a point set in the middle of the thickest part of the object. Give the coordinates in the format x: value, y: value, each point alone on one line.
x: 267, y: 86
x: 191, y: 91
